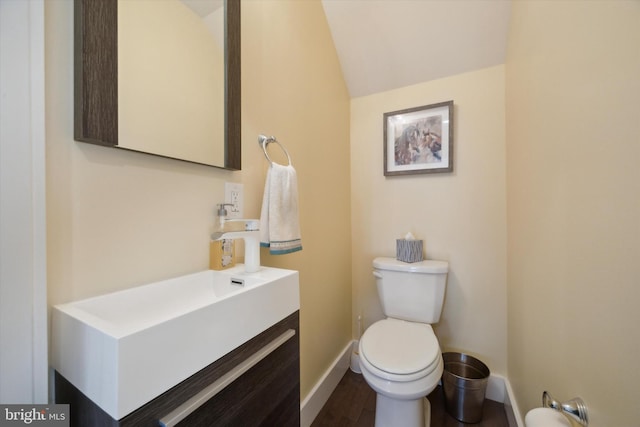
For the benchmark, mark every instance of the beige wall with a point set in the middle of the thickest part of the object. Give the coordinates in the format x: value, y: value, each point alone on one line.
x: 116, y: 219
x: 293, y: 89
x: 573, y: 151
x: 460, y: 215
x: 194, y: 84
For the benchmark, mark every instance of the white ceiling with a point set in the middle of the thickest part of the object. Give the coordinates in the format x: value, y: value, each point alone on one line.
x: 387, y: 44
x: 203, y: 8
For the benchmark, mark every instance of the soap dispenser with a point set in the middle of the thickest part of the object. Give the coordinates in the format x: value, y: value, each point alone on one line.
x: 221, y: 252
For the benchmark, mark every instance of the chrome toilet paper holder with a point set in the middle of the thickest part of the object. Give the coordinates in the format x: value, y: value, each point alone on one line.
x: 574, y: 408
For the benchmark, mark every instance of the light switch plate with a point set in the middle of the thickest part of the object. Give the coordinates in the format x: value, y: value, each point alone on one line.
x: 234, y: 194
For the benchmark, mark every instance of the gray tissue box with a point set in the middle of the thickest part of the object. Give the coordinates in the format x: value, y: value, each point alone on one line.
x: 409, y: 250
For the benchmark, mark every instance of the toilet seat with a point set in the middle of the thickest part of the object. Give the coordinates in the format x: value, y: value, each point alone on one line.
x: 400, y: 351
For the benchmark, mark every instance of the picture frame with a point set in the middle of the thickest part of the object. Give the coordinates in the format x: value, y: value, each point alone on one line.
x: 419, y: 140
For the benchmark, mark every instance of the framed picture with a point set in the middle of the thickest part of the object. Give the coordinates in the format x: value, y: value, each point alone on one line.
x: 419, y: 140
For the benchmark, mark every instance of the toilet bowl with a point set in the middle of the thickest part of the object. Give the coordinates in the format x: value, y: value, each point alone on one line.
x: 402, y: 362
x: 400, y: 357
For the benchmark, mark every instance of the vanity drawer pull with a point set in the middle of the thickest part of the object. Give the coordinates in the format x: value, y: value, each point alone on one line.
x: 191, y: 405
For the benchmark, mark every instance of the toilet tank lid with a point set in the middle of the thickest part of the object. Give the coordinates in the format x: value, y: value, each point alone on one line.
x: 427, y: 266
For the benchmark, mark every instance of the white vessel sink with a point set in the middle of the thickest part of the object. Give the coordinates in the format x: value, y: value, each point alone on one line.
x: 125, y: 348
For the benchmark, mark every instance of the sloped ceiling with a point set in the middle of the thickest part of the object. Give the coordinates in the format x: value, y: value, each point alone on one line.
x: 203, y: 8
x: 387, y: 44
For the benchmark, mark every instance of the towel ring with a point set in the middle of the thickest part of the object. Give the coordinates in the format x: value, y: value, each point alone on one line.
x: 266, y: 140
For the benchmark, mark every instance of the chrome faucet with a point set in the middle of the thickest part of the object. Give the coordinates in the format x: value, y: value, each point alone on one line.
x: 251, y: 237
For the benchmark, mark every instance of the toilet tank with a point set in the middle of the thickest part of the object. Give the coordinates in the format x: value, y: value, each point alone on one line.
x: 411, y: 291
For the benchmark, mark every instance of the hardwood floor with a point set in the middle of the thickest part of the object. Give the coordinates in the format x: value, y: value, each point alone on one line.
x: 353, y: 404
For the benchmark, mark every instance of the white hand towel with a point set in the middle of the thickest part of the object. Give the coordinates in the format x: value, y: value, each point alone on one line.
x: 279, y: 220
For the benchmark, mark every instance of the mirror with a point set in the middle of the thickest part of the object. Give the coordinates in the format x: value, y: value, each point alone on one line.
x: 103, y: 115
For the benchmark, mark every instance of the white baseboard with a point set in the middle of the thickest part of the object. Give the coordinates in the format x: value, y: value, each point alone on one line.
x: 498, y: 389
x: 320, y: 393
x: 511, y: 407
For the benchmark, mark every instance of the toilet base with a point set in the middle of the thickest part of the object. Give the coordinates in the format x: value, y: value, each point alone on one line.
x: 406, y: 413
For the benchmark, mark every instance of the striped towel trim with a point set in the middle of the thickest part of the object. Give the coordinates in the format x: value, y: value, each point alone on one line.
x: 284, y: 247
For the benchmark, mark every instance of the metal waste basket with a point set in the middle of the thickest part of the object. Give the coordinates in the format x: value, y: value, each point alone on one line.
x: 464, y: 382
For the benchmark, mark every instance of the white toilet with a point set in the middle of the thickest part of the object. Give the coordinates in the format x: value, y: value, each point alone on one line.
x: 400, y: 357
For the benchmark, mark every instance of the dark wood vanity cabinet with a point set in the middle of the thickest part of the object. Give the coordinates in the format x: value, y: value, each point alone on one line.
x: 267, y: 394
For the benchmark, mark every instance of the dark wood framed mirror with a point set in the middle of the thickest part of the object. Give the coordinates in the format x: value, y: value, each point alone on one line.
x: 96, y: 108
